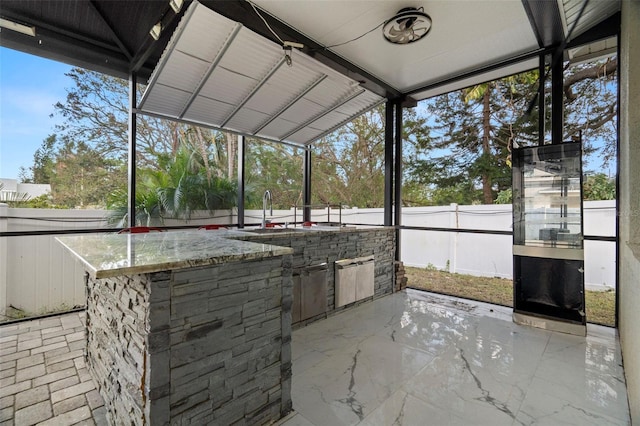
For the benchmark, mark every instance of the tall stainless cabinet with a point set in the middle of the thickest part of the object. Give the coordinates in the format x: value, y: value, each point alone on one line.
x: 548, y: 252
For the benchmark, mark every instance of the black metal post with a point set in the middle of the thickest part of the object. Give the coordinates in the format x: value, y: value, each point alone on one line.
x: 306, y: 191
x: 542, y: 73
x: 131, y: 205
x: 398, y: 177
x: 388, y: 163
x: 618, y: 204
x: 241, y: 147
x: 557, y: 97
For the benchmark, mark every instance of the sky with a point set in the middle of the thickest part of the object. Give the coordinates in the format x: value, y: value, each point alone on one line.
x: 29, y: 87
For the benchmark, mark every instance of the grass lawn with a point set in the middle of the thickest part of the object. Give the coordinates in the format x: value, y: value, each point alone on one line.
x: 600, y: 305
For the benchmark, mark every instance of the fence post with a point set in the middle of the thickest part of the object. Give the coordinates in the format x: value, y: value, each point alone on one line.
x: 453, y: 238
x: 4, y: 211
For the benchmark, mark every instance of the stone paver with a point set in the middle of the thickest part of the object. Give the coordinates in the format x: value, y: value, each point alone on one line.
x: 48, y: 347
x: 6, y: 415
x: 58, y: 366
x: 43, y: 374
x: 64, y: 383
x: 94, y: 399
x: 29, y: 344
x: 33, y: 414
x: 31, y: 396
x: 8, y: 364
x: 7, y: 380
x: 54, y: 377
x: 9, y: 372
x: 69, y: 418
x: 29, y: 361
x: 69, y: 404
x: 15, y: 388
x: 30, y: 372
x: 71, y: 391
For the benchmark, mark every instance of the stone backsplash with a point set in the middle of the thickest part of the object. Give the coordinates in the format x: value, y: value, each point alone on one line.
x: 313, y: 248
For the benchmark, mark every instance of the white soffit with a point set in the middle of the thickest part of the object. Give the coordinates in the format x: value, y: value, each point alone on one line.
x: 217, y: 73
x: 466, y: 35
x: 594, y: 13
x: 594, y: 51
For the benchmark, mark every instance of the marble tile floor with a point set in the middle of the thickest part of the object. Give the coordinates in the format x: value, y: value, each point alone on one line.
x: 416, y: 358
x: 412, y: 358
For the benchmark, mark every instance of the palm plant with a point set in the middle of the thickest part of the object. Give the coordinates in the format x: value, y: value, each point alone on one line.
x: 14, y: 199
x: 180, y: 187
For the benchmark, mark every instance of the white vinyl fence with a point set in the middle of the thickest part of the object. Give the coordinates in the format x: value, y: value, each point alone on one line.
x: 491, y: 255
x: 37, y: 275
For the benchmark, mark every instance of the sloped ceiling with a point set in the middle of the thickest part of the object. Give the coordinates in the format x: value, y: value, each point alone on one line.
x: 218, y: 73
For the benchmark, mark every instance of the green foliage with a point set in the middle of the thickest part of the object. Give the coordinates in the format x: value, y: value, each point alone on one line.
x: 83, y: 178
x: 41, y: 202
x: 598, y: 187
x: 470, y: 161
x: 474, y: 131
x: 43, y: 168
x: 456, y: 149
x: 274, y: 167
x: 80, y: 177
x: 181, y: 187
x: 505, y: 196
x: 348, y: 164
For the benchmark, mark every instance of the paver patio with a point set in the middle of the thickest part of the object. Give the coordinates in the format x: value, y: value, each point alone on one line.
x: 43, y: 378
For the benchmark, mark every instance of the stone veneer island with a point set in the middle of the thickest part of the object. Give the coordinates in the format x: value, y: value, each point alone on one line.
x: 194, y: 327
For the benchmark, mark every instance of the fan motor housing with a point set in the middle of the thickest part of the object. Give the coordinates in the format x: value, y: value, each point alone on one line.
x: 407, y: 26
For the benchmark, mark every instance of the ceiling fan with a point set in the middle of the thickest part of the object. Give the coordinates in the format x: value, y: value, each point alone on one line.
x: 407, y: 26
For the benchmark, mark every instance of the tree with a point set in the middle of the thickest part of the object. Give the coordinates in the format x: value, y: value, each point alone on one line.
x: 274, y: 167
x: 182, y: 186
x: 598, y: 187
x: 465, y: 152
x: 96, y: 112
x: 43, y: 163
x: 82, y: 178
x: 475, y: 129
x: 348, y: 164
x: 93, y: 141
x: 79, y: 176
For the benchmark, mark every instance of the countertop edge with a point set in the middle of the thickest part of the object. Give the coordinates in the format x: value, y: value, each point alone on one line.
x: 215, y: 259
x: 185, y: 264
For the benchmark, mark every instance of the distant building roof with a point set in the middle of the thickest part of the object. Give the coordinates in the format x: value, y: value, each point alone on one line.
x: 31, y: 189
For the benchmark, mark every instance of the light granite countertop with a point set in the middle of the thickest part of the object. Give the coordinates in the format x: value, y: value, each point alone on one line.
x: 109, y: 255
x: 253, y: 232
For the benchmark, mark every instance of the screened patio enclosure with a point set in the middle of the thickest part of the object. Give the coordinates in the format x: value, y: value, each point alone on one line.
x: 223, y: 65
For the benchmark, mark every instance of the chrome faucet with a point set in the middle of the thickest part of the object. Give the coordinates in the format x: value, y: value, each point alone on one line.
x: 265, y: 197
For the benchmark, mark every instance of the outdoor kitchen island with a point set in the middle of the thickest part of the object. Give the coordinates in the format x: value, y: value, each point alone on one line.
x: 187, y: 327
x: 195, y: 326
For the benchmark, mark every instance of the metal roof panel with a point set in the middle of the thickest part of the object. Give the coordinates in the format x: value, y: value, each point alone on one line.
x: 207, y: 110
x: 231, y: 77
